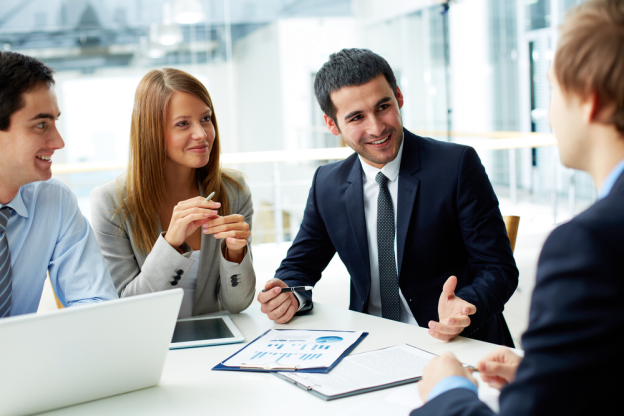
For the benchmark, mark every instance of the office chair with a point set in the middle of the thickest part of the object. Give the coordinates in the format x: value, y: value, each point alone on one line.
x: 511, y: 224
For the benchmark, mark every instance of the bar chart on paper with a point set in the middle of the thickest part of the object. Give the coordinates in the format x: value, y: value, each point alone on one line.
x: 277, y: 356
x: 304, y: 349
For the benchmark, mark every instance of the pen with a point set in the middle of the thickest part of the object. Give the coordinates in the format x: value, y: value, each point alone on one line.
x: 472, y: 368
x: 292, y: 289
x: 209, y: 197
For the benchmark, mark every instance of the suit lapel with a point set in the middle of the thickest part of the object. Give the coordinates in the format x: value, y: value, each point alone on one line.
x: 354, y: 199
x: 408, y: 188
x: 619, y: 183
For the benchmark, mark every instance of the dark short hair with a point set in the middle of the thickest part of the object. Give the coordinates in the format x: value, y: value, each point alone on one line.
x: 349, y: 67
x: 19, y: 74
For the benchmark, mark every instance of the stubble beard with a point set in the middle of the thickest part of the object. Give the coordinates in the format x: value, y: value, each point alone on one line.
x: 377, y: 158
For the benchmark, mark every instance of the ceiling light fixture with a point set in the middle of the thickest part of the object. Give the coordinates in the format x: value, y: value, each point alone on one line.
x: 188, y: 12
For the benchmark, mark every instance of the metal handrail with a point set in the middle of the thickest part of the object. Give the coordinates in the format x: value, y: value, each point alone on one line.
x: 480, y: 141
x: 488, y: 141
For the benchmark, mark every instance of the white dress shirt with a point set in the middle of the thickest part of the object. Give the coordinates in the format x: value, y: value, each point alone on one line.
x: 371, y: 192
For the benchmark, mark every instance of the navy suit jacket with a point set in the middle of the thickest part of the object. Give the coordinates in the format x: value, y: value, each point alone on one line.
x: 573, y: 363
x: 448, y: 223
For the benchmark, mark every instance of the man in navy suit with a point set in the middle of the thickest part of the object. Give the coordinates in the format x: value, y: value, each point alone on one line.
x: 410, y: 217
x: 573, y: 362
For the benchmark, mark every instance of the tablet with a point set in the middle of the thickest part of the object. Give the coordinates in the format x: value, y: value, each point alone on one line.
x: 203, y: 331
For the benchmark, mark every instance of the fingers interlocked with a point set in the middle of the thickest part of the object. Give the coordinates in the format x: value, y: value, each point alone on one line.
x: 231, y: 226
x: 187, y: 216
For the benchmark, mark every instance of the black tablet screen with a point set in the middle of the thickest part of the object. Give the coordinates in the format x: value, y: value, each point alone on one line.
x: 201, y: 329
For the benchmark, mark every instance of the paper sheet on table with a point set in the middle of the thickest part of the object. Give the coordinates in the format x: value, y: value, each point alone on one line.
x: 292, y: 347
x: 368, y: 370
x: 403, y: 399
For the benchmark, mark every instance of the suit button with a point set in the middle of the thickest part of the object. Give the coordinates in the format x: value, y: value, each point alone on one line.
x: 176, y: 278
x: 180, y: 272
x: 234, y: 284
x: 173, y: 283
x: 410, y: 300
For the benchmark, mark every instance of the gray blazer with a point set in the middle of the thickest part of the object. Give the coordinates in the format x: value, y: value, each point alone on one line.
x: 219, y: 286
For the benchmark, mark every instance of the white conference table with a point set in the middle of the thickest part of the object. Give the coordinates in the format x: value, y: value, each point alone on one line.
x: 189, y: 387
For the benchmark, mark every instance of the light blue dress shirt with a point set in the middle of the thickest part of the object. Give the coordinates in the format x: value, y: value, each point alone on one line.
x: 450, y: 383
x: 46, y: 231
x: 611, y: 178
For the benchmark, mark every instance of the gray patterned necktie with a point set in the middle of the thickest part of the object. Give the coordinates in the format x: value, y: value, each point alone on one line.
x: 388, y: 281
x: 5, y: 265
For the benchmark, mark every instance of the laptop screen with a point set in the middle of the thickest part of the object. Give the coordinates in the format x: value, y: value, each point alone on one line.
x: 201, y: 329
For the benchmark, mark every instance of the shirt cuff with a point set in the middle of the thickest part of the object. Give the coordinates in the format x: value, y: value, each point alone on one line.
x: 301, y: 299
x: 450, y: 383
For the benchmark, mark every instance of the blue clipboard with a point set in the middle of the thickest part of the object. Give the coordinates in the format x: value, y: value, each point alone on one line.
x: 221, y: 367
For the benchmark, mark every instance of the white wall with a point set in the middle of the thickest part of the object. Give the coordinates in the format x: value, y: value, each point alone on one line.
x: 471, y: 71
x: 96, y: 110
x: 372, y: 11
x: 274, y: 67
x: 305, y: 45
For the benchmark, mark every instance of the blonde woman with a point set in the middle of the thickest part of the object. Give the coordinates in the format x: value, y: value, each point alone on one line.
x: 154, y: 225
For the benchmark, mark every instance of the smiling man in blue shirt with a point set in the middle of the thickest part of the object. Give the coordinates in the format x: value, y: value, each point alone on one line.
x: 41, y: 226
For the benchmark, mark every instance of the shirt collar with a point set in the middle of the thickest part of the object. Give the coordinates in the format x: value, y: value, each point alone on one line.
x: 390, y: 170
x: 610, y: 180
x: 17, y: 205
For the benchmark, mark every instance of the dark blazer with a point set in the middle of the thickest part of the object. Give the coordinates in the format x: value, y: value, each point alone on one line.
x: 573, y: 361
x: 448, y: 223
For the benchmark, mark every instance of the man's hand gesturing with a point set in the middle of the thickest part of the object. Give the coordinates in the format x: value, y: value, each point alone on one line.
x: 453, y: 313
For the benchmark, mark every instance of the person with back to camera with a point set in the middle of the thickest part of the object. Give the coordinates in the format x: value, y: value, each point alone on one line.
x: 572, y: 361
x: 155, y: 225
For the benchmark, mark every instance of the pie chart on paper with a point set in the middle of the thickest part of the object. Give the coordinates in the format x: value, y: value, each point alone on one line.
x: 328, y: 340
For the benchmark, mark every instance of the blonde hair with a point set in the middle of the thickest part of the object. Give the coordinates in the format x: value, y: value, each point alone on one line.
x: 590, y: 55
x: 145, y: 182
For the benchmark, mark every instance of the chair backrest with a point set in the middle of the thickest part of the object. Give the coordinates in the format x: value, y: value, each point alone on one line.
x: 59, y: 305
x: 511, y: 224
x: 58, y: 302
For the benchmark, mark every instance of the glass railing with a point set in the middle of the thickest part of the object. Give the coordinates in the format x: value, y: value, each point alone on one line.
x: 280, y: 180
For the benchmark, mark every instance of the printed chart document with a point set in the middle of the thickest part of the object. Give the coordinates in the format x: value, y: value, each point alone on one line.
x: 294, y: 349
x: 365, y: 372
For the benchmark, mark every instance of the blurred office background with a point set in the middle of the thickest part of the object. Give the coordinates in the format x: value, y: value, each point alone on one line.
x: 472, y: 71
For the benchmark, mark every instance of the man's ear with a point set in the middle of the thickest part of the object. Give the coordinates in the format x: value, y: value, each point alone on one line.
x: 595, y: 111
x: 590, y: 106
x: 331, y: 125
x: 399, y: 96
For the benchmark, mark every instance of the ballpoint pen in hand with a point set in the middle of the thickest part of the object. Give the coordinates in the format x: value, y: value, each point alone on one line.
x: 292, y: 289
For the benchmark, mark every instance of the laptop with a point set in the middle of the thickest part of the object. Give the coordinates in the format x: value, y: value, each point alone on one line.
x: 84, y: 353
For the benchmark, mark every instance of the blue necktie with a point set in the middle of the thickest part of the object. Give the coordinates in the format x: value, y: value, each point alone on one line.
x: 388, y: 281
x: 5, y: 265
